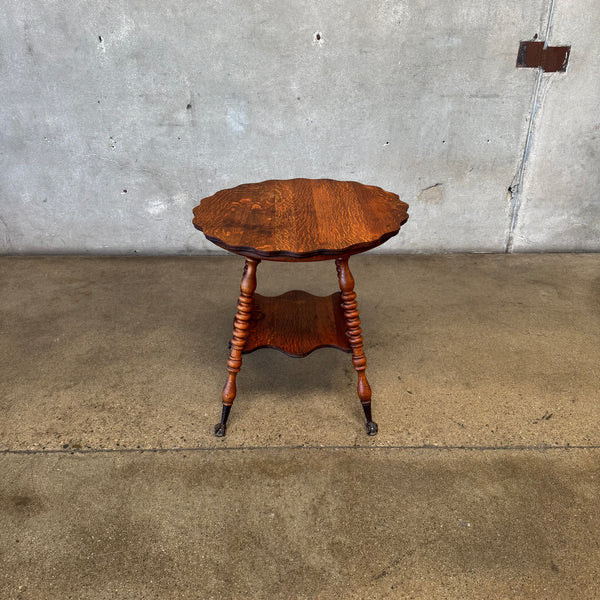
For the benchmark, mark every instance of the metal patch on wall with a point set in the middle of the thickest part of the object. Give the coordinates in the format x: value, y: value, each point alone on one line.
x: 550, y: 59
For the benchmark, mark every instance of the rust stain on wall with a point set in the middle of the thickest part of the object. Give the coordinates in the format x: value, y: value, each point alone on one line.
x: 550, y: 59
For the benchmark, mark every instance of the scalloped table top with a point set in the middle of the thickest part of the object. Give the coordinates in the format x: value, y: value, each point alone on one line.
x: 300, y: 219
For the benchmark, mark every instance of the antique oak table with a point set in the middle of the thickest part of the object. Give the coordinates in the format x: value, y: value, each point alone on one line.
x: 299, y: 220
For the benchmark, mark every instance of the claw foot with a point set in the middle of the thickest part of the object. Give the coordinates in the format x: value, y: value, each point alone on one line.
x: 372, y: 428
x: 220, y: 429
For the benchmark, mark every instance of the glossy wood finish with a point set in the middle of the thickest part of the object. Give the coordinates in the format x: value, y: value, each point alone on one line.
x: 297, y: 323
x: 300, y: 219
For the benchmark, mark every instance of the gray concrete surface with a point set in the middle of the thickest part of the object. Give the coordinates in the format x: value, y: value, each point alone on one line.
x: 560, y: 209
x: 462, y: 349
x: 482, y: 483
x: 117, y: 118
x: 308, y: 523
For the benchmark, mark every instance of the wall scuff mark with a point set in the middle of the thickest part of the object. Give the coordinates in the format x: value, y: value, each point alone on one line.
x: 432, y: 194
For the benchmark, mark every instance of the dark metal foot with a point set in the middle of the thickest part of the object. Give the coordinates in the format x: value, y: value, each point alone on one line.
x: 371, y: 425
x: 372, y: 428
x: 221, y: 428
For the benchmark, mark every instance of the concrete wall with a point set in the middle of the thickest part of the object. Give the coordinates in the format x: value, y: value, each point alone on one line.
x: 118, y: 117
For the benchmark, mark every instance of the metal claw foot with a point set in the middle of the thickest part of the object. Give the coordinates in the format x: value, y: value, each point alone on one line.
x: 371, y: 425
x: 372, y: 428
x: 221, y: 428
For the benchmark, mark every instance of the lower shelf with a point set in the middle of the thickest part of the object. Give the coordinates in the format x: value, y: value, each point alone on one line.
x: 297, y: 323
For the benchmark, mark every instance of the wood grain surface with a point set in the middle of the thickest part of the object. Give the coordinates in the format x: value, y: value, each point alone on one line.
x: 297, y: 323
x: 300, y: 219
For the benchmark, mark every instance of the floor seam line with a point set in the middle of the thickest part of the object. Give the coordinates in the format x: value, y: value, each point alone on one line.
x: 71, y: 451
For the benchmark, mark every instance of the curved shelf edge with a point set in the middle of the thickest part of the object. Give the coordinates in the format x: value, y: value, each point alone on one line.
x: 302, y: 355
x: 297, y: 323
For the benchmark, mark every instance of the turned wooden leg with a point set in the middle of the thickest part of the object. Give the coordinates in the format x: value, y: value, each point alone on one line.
x: 240, y: 334
x: 359, y: 360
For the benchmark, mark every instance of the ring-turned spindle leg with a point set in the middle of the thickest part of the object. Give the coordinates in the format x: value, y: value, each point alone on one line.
x: 359, y: 360
x: 240, y: 334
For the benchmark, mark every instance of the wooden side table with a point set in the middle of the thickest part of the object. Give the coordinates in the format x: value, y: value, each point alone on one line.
x: 299, y: 220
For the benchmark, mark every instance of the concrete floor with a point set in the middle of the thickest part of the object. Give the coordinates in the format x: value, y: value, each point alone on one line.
x: 484, y: 481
